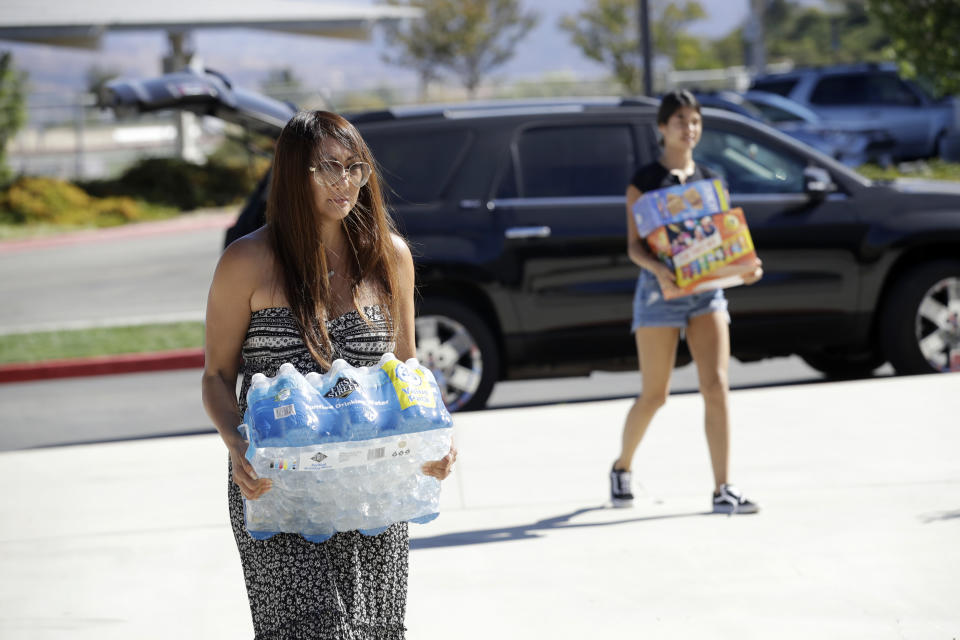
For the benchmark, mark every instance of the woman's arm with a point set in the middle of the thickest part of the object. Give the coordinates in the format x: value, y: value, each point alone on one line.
x: 757, y: 272
x: 637, y: 248
x: 406, y: 343
x: 406, y: 346
x: 228, y: 316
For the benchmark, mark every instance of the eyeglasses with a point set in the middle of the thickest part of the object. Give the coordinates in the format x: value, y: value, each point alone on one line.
x: 328, y: 173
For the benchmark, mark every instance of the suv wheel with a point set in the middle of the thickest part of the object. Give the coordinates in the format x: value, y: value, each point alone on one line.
x: 920, y: 326
x: 842, y: 366
x: 455, y: 343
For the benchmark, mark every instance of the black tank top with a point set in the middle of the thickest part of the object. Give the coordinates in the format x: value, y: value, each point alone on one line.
x: 656, y: 176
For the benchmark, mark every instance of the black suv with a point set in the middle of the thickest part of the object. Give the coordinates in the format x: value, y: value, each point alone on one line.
x: 515, y: 212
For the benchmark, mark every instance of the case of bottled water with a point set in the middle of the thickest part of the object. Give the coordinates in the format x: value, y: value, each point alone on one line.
x: 344, y: 448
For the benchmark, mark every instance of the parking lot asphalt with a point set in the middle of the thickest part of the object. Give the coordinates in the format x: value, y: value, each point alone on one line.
x: 212, y: 219
x: 858, y: 481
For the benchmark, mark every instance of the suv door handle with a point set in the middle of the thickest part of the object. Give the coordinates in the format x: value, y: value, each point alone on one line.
x: 527, y: 232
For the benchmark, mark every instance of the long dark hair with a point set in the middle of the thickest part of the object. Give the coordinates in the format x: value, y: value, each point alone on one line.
x: 672, y: 102
x: 295, y: 237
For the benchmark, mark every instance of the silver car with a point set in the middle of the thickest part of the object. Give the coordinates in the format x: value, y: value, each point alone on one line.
x: 853, y: 143
x: 874, y: 95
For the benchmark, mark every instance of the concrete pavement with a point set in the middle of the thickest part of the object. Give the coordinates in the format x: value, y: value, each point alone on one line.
x: 44, y: 298
x: 859, y: 484
x: 134, y: 274
x: 78, y: 410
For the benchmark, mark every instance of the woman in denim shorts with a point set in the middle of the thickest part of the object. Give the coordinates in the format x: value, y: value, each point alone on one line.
x: 658, y: 323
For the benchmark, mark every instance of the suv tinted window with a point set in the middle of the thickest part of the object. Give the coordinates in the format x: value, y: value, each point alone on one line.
x: 889, y: 89
x: 417, y: 166
x: 782, y: 87
x: 840, y: 89
x: 863, y: 89
x: 558, y: 162
x: 749, y: 166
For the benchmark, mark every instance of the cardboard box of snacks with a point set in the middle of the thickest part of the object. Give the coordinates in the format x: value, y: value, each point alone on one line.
x: 691, y: 228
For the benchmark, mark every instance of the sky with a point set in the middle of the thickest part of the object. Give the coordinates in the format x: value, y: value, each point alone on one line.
x: 247, y: 56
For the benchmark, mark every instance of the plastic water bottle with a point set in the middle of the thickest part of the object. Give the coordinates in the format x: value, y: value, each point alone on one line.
x: 279, y: 407
x: 344, y: 448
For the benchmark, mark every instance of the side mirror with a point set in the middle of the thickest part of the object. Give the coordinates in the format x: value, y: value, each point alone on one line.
x: 817, y: 182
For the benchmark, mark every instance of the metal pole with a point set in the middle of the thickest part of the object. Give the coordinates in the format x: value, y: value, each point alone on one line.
x: 79, y: 116
x: 182, y: 55
x: 645, y: 48
x: 754, y: 31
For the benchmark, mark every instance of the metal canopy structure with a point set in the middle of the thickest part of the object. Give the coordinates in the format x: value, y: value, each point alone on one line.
x: 83, y: 24
x: 66, y: 23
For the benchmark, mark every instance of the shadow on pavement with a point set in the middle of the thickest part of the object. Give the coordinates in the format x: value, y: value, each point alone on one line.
x: 938, y: 516
x: 200, y: 431
x: 631, y: 395
x: 521, y: 532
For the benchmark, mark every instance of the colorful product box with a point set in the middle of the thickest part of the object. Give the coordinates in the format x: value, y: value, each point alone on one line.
x: 692, y: 230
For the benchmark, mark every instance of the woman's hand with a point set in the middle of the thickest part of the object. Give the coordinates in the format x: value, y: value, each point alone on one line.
x: 246, y: 478
x: 442, y: 468
x: 667, y: 280
x: 756, y: 274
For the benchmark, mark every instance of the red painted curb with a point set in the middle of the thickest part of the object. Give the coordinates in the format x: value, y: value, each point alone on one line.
x: 188, y: 222
x: 103, y: 365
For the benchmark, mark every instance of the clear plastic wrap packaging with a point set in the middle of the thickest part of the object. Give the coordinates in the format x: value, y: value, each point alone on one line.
x: 344, y: 448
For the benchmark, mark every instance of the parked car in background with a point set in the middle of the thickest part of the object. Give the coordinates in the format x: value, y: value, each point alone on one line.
x: 515, y: 212
x: 854, y: 143
x: 873, y: 94
x: 852, y: 148
x: 731, y: 101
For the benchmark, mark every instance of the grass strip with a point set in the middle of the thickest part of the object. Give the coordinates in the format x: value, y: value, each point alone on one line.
x: 932, y: 169
x: 85, y: 343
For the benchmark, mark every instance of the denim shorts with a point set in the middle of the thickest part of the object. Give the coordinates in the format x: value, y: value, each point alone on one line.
x: 651, y: 310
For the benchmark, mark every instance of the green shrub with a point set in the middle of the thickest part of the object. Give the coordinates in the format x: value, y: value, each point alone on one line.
x: 182, y: 184
x: 48, y: 201
x: 935, y: 169
x: 84, y: 343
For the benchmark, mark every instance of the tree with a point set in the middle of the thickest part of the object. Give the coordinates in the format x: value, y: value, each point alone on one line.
x: 924, y: 36
x: 468, y: 38
x: 421, y: 45
x: 811, y: 36
x: 284, y: 84
x: 730, y: 50
x: 13, y: 113
x: 668, y: 30
x: 606, y: 31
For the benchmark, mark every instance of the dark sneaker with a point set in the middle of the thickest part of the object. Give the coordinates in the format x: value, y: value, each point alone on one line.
x: 620, y: 493
x: 730, y: 500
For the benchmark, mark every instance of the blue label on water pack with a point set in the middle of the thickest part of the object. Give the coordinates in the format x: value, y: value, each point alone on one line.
x: 345, y: 404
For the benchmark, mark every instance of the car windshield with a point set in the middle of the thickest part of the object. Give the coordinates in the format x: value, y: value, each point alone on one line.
x: 780, y: 86
x: 779, y: 109
x: 749, y: 166
x: 729, y: 101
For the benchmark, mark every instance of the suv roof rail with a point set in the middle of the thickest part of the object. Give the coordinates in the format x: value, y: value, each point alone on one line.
x: 224, y: 79
x: 640, y: 101
x: 369, y: 116
x: 830, y: 68
x: 491, y: 108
